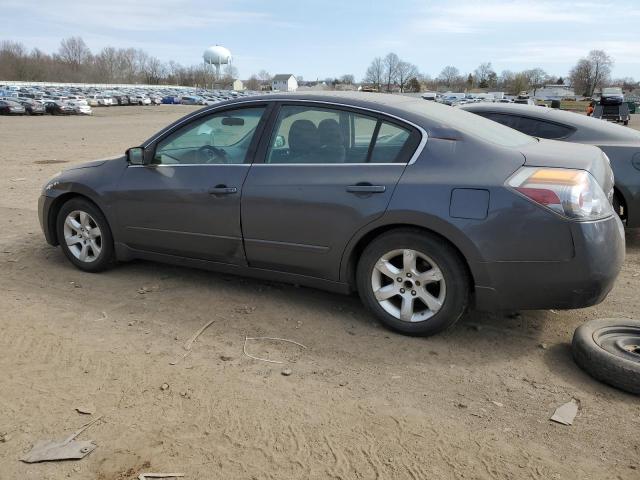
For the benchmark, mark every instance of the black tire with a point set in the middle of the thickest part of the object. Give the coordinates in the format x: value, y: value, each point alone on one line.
x: 106, y: 256
x: 609, y: 364
x: 454, y: 273
x: 626, y: 122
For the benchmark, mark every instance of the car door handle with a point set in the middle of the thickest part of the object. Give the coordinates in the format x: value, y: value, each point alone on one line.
x: 366, y: 188
x: 222, y: 190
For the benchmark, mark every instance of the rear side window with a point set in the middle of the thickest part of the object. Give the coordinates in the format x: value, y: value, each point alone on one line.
x: 531, y: 126
x: 319, y: 135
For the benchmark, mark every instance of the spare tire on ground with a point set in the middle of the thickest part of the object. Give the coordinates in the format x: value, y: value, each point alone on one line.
x: 609, y: 350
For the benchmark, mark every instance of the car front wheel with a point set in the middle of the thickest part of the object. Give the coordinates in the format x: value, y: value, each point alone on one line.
x: 414, y: 282
x: 85, y: 236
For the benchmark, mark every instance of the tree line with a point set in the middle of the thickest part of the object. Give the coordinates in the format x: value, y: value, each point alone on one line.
x: 593, y: 72
x: 75, y: 62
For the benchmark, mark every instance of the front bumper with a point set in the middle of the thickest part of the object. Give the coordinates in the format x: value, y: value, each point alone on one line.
x: 582, y: 281
x: 46, y: 224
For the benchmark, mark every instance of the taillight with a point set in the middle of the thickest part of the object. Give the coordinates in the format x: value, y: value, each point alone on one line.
x: 571, y: 193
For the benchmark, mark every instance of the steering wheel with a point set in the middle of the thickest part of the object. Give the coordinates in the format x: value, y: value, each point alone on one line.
x: 211, y: 154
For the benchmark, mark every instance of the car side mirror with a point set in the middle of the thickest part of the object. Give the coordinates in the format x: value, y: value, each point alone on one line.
x: 135, y: 156
x: 279, y: 142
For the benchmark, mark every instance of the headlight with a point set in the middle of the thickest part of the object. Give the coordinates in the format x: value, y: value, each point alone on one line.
x: 574, y: 194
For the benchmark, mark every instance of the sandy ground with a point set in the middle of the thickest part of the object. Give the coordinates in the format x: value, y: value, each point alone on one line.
x: 361, y: 402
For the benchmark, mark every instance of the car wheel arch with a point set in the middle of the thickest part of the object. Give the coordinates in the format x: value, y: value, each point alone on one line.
x: 620, y: 197
x: 57, y: 205
x: 353, y: 253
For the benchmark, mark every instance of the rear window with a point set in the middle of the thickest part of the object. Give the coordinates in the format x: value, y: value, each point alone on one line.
x: 531, y: 126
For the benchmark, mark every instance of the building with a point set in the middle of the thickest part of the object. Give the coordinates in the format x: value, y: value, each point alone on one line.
x: 284, y: 82
x: 238, y: 85
x: 554, y: 92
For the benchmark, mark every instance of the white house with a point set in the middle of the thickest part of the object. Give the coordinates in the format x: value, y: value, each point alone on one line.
x: 284, y: 82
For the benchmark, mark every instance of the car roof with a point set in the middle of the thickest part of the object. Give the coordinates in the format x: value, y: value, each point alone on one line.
x: 589, y: 129
x: 429, y: 116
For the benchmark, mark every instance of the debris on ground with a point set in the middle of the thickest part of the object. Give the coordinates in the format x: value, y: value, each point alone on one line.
x: 189, y: 343
x: 286, y: 372
x: 144, y: 476
x: 146, y: 289
x: 68, y: 449
x: 246, y: 339
x: 497, y: 404
x: 565, y: 413
x: 88, y: 409
x: 226, y: 358
x: 187, y: 346
x: 4, y: 437
x: 543, y: 346
x: 164, y: 386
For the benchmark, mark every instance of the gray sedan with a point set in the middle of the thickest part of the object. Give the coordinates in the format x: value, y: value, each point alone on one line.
x: 422, y: 209
x: 621, y: 144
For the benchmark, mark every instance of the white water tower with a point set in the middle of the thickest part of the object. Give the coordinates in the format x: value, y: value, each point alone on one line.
x: 217, y: 55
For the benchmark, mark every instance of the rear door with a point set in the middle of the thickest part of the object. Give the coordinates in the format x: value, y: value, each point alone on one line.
x: 323, y: 173
x: 186, y: 202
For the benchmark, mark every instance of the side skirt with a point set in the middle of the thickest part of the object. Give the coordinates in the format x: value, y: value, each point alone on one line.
x: 125, y: 253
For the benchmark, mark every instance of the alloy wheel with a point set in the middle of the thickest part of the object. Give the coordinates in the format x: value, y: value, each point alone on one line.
x: 82, y: 236
x: 408, y: 285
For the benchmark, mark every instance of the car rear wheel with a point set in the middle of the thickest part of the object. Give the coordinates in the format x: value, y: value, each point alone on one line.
x: 413, y: 282
x: 84, y: 235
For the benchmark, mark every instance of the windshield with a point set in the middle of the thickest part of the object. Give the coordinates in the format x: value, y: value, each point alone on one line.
x: 612, y: 90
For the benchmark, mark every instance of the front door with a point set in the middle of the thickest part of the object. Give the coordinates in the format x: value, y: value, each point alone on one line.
x: 186, y: 202
x: 326, y: 172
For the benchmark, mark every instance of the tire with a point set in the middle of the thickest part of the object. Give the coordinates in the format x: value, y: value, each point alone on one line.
x: 626, y: 122
x: 444, y: 285
x: 98, y: 245
x: 598, y: 348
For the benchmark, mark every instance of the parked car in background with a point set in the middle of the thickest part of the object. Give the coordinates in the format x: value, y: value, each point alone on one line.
x: 8, y: 107
x: 171, y: 100
x: 192, y: 101
x: 621, y: 144
x: 32, y: 107
x: 611, y: 96
x: 80, y: 108
x: 59, y: 108
x: 403, y: 200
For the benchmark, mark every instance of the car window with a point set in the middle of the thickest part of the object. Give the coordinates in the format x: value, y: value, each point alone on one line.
x: 220, y: 138
x: 304, y: 134
x: 390, y: 143
x: 530, y: 126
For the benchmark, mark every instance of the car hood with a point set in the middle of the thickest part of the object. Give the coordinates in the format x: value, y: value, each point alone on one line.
x: 94, y: 163
x: 552, y: 153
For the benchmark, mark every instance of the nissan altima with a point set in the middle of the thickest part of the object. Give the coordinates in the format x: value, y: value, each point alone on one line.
x: 422, y: 209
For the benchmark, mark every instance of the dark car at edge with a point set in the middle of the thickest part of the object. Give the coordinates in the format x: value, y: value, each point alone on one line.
x: 422, y: 209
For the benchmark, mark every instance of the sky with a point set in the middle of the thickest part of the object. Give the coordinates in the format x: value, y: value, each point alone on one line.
x: 327, y: 38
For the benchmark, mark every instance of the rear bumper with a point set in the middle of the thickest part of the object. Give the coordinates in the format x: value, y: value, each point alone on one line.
x: 583, y: 281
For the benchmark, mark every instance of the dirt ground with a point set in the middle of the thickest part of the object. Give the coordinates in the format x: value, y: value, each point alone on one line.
x: 361, y: 402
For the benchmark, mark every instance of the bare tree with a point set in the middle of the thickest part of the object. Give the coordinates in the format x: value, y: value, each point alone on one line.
x: 601, y: 64
x: 74, y: 51
x: 374, y: 73
x: 405, y: 71
x: 537, y: 77
x: 449, y: 75
x: 253, y: 83
x: 264, y: 76
x: 483, y: 73
x: 347, y: 79
x: 391, y: 63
